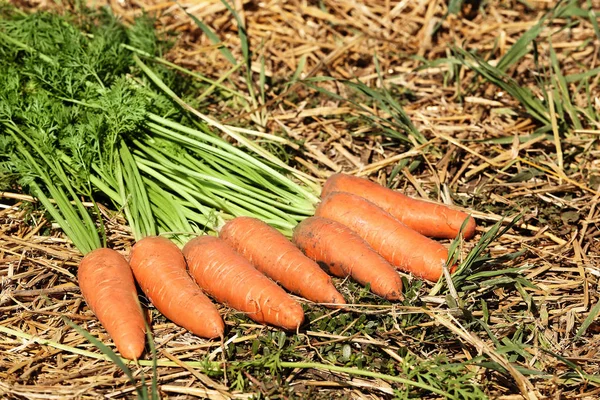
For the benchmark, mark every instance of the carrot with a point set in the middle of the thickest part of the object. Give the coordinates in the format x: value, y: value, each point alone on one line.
x: 343, y: 253
x: 429, y: 219
x: 403, y: 247
x: 231, y: 279
x: 107, y: 285
x: 275, y: 256
x: 160, y: 269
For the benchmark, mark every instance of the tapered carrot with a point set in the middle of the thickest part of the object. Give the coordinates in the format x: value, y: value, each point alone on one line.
x: 276, y: 257
x: 227, y: 276
x: 160, y: 270
x: 403, y: 247
x: 429, y: 219
x: 106, y: 282
x: 344, y: 253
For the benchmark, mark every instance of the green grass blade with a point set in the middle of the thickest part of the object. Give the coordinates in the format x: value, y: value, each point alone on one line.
x: 594, y: 312
x: 213, y: 38
x: 154, y: 393
x: 593, y: 17
x: 218, y: 84
x: 360, y: 372
x: 526, y: 97
x: 246, y: 54
x: 381, y: 123
x: 106, y: 351
x: 521, y: 47
x: 213, y: 84
x: 583, y: 75
x: 563, y: 97
x: 298, y: 72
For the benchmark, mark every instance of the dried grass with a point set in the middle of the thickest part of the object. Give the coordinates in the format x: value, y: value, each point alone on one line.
x: 559, y: 231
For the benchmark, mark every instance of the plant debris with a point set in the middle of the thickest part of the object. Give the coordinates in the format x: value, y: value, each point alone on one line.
x: 493, y: 107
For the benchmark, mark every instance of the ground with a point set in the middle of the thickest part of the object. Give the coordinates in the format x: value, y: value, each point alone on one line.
x: 511, y: 131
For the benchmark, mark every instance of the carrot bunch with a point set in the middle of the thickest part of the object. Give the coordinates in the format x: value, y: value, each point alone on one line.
x: 384, y: 230
x: 360, y: 230
x: 169, y: 175
x: 176, y: 282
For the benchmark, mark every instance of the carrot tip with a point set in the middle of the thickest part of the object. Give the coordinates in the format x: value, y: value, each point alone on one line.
x: 131, y: 352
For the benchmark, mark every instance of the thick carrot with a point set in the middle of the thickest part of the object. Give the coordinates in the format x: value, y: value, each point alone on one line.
x: 160, y: 269
x: 344, y: 253
x: 275, y: 256
x: 107, y: 284
x: 403, y: 247
x: 231, y: 279
x: 429, y: 219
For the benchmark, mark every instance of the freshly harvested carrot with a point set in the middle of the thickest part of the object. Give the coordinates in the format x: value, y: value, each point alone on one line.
x: 106, y: 282
x: 227, y: 276
x: 160, y: 269
x: 275, y: 256
x: 429, y: 219
x: 343, y: 253
x: 403, y: 247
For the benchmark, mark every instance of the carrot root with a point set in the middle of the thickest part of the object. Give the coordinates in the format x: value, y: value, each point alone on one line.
x: 228, y: 277
x: 400, y: 245
x: 160, y: 269
x: 107, y: 284
x: 275, y: 256
x: 346, y: 254
x: 429, y: 219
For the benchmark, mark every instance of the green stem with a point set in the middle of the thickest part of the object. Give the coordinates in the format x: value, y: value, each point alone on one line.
x: 177, y: 188
x: 210, y: 185
x: 254, y: 178
x: 139, y: 197
x: 73, y: 219
x: 240, y: 139
x: 27, y: 48
x: 214, y: 84
x: 233, y: 151
x: 224, y: 182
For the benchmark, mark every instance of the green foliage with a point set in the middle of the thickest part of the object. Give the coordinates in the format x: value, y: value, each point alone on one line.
x: 77, y: 104
x: 121, y: 129
x: 64, y: 86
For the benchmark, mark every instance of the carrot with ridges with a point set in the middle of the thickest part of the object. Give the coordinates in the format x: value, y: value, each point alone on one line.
x: 400, y: 245
x: 107, y: 284
x: 344, y: 253
x: 228, y: 277
x: 429, y: 219
x: 160, y: 269
x: 276, y: 257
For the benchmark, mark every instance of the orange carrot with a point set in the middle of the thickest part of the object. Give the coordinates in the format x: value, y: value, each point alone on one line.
x: 344, y: 253
x: 159, y: 268
x: 429, y: 219
x: 231, y: 279
x: 275, y: 256
x: 107, y: 285
x: 403, y: 247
